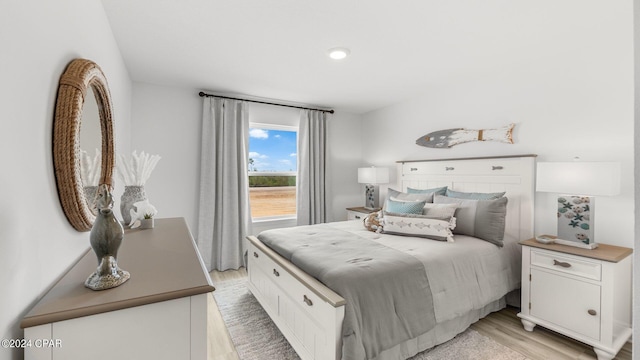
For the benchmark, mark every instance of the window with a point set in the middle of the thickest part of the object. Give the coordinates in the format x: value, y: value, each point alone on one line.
x: 272, y: 171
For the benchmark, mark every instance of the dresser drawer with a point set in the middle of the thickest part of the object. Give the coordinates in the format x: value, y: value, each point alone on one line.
x: 567, y: 264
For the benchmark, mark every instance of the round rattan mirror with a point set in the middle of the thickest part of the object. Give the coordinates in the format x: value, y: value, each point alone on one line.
x: 79, y: 76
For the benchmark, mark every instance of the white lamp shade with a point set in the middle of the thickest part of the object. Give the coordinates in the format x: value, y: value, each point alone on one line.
x: 373, y: 175
x: 579, y: 178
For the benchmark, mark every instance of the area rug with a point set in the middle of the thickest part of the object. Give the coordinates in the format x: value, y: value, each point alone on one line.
x: 256, y: 337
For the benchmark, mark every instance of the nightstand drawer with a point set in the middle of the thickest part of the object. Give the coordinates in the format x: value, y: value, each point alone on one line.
x: 567, y: 264
x: 354, y: 215
x: 359, y: 213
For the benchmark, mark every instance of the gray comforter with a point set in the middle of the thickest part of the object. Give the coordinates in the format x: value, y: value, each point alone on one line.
x: 387, y: 291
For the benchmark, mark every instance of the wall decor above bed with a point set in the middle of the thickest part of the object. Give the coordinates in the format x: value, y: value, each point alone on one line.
x: 450, y: 137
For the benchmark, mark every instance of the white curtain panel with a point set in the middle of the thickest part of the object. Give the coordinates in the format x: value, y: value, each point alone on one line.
x: 224, y: 218
x: 311, y: 188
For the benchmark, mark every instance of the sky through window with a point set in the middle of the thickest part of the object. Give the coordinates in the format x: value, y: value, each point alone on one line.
x: 272, y: 150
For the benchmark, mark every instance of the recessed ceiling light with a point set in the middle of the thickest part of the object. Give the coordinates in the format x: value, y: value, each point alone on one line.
x: 338, y: 53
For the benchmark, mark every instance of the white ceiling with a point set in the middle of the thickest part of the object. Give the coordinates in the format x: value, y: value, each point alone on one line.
x: 277, y: 48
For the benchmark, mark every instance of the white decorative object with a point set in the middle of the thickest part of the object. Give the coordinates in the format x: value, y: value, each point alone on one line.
x: 131, y: 195
x: 134, y: 171
x: 576, y: 212
x: 141, y: 211
x: 137, y: 169
x: 372, y: 176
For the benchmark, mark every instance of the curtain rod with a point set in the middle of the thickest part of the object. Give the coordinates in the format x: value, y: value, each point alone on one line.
x: 202, y: 94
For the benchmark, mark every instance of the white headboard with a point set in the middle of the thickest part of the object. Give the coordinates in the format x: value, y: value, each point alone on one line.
x: 513, y: 174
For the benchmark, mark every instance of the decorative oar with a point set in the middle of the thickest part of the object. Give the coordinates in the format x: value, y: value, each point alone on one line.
x: 451, y: 137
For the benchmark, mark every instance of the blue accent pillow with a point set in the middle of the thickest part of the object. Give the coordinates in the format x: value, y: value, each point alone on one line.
x: 435, y: 191
x: 474, y: 195
x: 404, y: 207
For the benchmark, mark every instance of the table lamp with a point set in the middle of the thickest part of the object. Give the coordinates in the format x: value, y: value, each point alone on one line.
x: 372, y: 176
x: 578, y: 182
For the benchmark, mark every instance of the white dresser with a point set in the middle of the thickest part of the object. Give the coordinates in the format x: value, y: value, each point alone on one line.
x: 584, y: 294
x: 159, y: 313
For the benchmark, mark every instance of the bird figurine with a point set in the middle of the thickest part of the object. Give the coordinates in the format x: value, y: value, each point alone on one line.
x: 105, y: 238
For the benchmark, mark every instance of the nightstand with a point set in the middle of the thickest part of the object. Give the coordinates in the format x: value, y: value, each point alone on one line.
x: 584, y: 294
x: 359, y: 213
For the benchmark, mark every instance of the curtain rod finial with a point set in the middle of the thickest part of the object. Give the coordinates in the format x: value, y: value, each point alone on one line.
x: 201, y: 94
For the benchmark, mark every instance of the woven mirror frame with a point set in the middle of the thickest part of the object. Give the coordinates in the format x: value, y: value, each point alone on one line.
x: 79, y: 75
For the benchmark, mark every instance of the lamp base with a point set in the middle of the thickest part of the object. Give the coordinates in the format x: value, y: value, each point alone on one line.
x: 371, y: 196
x: 576, y: 219
x: 590, y: 246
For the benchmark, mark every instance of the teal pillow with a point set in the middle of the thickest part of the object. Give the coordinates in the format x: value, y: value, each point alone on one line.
x: 474, y: 195
x: 404, y: 207
x: 435, y: 191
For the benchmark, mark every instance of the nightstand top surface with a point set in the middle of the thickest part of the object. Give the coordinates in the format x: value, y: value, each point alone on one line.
x: 604, y: 252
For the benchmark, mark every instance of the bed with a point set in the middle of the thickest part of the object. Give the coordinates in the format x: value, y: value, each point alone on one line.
x: 464, y: 280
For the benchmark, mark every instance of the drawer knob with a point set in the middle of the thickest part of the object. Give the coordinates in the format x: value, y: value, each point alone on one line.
x: 357, y: 217
x: 275, y: 272
x: 307, y: 300
x: 497, y: 168
x: 255, y: 254
x: 592, y: 312
x: 449, y: 168
x: 561, y: 264
x: 413, y: 169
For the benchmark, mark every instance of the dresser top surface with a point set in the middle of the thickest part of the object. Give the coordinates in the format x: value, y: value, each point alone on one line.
x: 164, y: 264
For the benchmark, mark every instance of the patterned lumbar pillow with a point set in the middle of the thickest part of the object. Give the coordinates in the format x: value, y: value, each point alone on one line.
x: 419, y: 226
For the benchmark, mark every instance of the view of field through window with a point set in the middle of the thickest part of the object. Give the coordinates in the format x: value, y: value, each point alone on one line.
x: 272, y: 172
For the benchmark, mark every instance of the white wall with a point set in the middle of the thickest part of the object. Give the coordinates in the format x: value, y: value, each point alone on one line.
x: 167, y: 121
x: 37, y: 244
x: 636, y: 254
x: 570, y: 94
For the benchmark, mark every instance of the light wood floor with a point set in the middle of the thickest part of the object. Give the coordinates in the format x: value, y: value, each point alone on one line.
x: 503, y: 327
